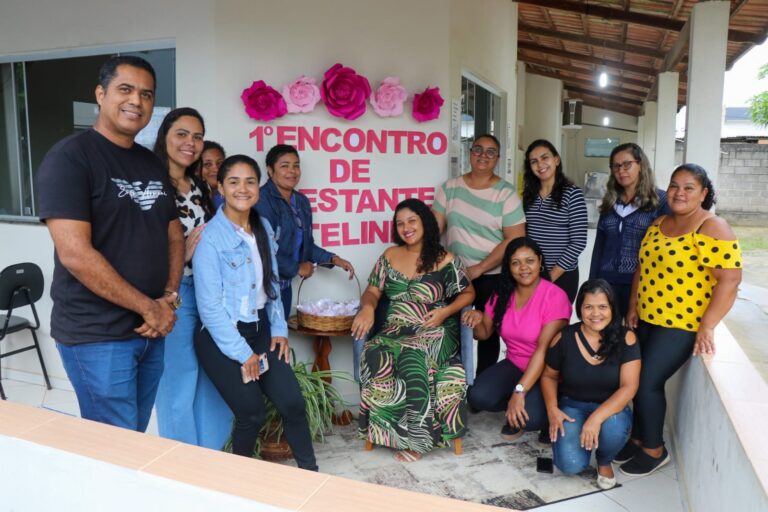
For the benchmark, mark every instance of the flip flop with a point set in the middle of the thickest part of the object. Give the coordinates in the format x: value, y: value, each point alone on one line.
x: 406, y: 456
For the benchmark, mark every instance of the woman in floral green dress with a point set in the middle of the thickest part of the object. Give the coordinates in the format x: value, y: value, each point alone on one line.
x: 412, y: 384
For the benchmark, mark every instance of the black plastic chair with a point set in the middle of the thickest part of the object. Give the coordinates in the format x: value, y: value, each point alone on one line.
x: 21, y: 285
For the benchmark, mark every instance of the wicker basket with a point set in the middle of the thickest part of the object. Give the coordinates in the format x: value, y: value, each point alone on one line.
x: 324, y: 323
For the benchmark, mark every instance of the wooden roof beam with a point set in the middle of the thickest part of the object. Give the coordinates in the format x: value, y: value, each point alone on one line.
x: 609, y: 97
x: 678, y: 50
x: 637, y: 18
x: 614, y: 86
x: 586, y: 58
x: 565, y: 36
x: 572, y: 69
x: 606, y: 105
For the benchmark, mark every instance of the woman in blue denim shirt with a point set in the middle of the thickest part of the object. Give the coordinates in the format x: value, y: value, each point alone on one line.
x: 595, y: 367
x: 238, y: 297
x: 288, y: 211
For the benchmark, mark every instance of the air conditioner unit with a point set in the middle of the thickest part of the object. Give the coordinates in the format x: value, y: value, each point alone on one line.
x: 572, y: 114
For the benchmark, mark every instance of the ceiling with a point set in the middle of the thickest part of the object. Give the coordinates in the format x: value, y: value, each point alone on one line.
x: 632, y: 40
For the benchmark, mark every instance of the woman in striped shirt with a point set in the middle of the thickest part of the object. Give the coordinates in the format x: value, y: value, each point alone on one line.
x: 555, y: 214
x: 479, y: 213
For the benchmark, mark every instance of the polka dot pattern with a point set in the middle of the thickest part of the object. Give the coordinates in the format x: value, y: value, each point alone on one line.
x: 678, y: 273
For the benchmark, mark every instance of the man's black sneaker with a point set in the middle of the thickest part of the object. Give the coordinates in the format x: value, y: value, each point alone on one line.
x: 544, y: 440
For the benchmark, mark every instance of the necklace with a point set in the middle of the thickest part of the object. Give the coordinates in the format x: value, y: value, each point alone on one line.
x: 588, y: 347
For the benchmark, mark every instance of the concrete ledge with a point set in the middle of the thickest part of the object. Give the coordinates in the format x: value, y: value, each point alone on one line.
x: 52, y: 461
x: 718, y: 411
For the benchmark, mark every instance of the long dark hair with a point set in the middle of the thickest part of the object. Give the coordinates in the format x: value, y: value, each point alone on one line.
x: 506, y: 285
x: 701, y: 176
x: 646, y: 194
x: 262, y: 240
x: 612, y: 337
x: 191, y: 172
x: 532, y: 185
x: 432, y: 252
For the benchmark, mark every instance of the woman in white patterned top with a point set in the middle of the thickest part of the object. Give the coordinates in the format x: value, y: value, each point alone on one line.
x: 189, y: 408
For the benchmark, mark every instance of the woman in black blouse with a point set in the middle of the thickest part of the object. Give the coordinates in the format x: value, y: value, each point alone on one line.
x: 596, y: 366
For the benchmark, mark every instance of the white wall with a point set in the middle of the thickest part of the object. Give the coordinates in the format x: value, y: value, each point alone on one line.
x: 543, y: 105
x: 491, y: 55
x: 222, y: 46
x: 713, y: 410
x: 621, y: 126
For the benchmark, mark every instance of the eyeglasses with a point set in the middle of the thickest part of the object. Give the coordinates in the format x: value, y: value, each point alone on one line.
x: 488, y: 152
x: 625, y: 165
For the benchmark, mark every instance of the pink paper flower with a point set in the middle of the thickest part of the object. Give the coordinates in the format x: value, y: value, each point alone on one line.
x: 301, y: 95
x: 388, y: 99
x: 344, y: 92
x: 262, y: 102
x: 426, y: 106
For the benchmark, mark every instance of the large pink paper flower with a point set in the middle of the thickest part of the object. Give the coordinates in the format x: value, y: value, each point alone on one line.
x: 426, y: 106
x: 344, y: 92
x: 301, y: 95
x: 262, y: 102
x: 388, y: 99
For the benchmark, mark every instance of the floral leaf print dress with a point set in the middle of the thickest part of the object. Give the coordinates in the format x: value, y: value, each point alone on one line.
x: 412, y: 384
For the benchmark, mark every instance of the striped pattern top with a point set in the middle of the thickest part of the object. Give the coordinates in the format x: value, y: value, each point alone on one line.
x: 561, y: 233
x: 475, y: 218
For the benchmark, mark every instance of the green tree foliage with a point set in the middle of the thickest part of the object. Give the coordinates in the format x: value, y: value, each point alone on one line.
x: 758, y: 104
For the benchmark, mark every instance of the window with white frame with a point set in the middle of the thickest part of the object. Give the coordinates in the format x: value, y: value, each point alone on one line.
x: 43, y: 100
x: 481, y: 111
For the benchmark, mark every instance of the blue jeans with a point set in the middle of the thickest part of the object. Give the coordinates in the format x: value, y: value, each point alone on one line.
x: 189, y: 408
x: 115, y: 381
x: 569, y: 456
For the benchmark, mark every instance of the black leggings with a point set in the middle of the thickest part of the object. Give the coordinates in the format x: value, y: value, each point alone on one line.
x: 569, y: 283
x: 664, y: 351
x: 487, y: 350
x: 493, y: 389
x: 246, y: 401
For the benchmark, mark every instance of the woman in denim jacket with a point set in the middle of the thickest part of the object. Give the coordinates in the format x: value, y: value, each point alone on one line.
x: 238, y: 297
x: 289, y: 212
x: 630, y: 205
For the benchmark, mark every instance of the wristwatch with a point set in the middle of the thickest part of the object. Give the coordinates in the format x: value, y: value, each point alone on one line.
x: 520, y: 389
x: 176, y: 304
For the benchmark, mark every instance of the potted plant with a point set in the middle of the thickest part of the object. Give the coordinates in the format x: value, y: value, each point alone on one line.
x: 322, y: 400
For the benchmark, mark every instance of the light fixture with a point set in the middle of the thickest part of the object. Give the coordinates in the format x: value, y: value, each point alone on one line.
x: 603, y: 79
x: 606, y: 121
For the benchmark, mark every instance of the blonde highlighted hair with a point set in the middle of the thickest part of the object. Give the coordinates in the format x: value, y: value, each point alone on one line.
x: 646, y: 193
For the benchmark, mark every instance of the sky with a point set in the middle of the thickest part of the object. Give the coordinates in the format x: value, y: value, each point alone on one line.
x: 741, y: 83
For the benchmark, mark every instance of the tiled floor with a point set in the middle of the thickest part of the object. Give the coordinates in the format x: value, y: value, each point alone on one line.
x: 658, y: 492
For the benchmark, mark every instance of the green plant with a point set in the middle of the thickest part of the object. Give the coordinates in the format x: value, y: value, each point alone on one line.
x: 758, y: 104
x: 321, y: 398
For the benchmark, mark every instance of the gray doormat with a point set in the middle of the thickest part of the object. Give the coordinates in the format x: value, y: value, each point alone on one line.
x: 490, y: 470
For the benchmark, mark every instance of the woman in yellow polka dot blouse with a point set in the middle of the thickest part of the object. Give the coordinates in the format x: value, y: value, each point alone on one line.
x: 688, y: 274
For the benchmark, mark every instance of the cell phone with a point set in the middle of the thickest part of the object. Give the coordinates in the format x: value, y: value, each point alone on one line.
x: 263, y: 363
x: 544, y: 465
x: 263, y: 367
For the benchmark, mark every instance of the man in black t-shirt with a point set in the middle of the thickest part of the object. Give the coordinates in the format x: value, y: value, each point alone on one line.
x: 119, y: 251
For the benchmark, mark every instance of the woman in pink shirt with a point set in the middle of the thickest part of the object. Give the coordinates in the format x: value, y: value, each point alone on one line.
x: 527, y: 310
